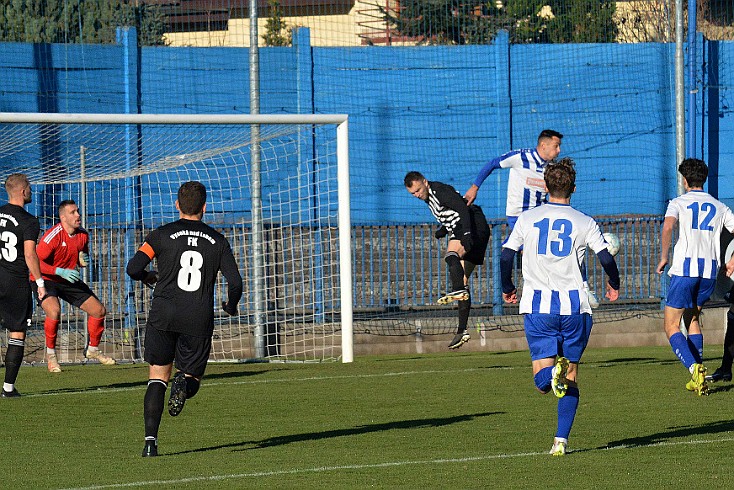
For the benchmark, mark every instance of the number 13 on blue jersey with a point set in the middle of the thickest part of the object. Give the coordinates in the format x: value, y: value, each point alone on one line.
x: 562, y: 244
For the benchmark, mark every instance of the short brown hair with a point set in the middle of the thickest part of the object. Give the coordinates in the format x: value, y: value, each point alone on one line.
x: 191, y: 197
x: 411, y: 177
x: 560, y: 178
x: 64, y: 203
x: 16, y: 181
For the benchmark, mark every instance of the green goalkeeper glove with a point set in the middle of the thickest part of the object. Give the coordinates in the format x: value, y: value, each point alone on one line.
x: 71, y: 275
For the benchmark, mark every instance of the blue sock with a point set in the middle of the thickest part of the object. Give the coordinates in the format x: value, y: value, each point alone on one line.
x: 543, y: 379
x: 679, y: 343
x: 567, y: 411
x: 695, y: 343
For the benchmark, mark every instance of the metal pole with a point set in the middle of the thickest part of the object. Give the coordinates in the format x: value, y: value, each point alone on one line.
x: 693, y: 86
x: 345, y: 243
x: 256, y: 192
x: 83, y: 196
x: 680, y: 108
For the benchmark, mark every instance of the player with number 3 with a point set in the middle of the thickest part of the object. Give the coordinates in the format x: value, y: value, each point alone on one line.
x: 180, y: 325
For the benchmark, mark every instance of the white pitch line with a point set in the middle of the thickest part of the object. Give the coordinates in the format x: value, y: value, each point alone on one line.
x: 207, y: 383
x: 389, y: 464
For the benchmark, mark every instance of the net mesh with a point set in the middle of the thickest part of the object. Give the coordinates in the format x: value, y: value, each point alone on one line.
x: 125, y: 179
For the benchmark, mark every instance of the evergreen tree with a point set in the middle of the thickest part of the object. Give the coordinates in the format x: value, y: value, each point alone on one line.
x: 528, y: 21
x: 277, y: 32
x: 79, y: 21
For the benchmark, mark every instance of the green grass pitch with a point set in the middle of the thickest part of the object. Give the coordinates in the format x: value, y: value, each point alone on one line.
x: 453, y: 420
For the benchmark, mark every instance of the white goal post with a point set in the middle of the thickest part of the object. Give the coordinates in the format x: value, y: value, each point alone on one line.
x: 277, y: 188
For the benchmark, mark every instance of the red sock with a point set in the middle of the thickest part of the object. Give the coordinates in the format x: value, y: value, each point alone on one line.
x: 95, y: 327
x: 50, y: 327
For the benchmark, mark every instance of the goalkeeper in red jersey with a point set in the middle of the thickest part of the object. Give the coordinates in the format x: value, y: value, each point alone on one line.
x: 62, y: 250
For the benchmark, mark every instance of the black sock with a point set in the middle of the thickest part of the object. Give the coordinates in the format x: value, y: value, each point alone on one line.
x: 192, y: 386
x: 726, y: 359
x: 13, y: 359
x: 153, y: 406
x: 456, y: 271
x: 464, y: 309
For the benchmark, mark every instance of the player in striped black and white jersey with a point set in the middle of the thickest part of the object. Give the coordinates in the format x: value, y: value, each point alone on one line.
x: 557, y: 312
x: 468, y: 234
x: 700, y: 218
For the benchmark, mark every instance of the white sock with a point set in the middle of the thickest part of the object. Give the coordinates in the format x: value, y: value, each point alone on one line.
x: 8, y: 387
x: 50, y: 352
x: 93, y: 348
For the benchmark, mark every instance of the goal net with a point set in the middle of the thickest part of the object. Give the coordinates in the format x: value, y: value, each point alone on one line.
x: 277, y: 188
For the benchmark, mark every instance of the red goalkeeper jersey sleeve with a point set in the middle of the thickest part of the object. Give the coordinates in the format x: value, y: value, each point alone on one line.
x: 59, y: 249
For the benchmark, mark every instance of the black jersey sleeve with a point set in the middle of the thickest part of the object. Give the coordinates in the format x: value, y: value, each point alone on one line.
x: 32, y: 230
x: 136, y: 266
x: 231, y: 273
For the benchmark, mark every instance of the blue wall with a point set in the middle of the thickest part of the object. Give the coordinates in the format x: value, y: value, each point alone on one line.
x: 443, y: 110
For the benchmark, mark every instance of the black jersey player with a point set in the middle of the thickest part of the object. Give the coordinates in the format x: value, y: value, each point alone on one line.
x: 468, y: 234
x: 180, y: 324
x: 18, y: 235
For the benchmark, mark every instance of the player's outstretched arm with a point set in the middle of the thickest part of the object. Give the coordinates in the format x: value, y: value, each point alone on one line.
x: 136, y: 266
x: 34, y: 266
x: 730, y: 267
x: 507, y: 261
x: 471, y: 194
x: 610, y: 267
x: 488, y: 168
x: 665, y: 240
x: 231, y: 273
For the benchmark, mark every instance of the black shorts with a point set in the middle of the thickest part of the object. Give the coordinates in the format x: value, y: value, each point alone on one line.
x: 191, y: 353
x: 75, y: 293
x: 16, y: 303
x: 479, y: 236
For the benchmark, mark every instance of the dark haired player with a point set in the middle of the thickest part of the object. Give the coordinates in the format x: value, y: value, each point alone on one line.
x: 62, y: 250
x: 18, y: 234
x: 700, y: 218
x: 468, y: 234
x: 525, y: 185
x: 554, y: 301
x: 181, y: 320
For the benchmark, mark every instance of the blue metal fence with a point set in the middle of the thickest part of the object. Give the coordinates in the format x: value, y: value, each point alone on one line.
x: 401, y: 266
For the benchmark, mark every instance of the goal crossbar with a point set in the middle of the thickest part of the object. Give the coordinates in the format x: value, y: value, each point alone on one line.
x: 222, y: 155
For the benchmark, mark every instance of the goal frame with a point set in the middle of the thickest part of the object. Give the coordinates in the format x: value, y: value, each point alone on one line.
x: 343, y: 190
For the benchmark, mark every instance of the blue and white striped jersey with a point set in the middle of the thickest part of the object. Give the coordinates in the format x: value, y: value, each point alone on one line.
x: 525, y: 186
x: 554, y: 238
x: 701, y: 218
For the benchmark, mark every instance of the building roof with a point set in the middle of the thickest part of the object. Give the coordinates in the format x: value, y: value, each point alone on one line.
x: 197, y: 15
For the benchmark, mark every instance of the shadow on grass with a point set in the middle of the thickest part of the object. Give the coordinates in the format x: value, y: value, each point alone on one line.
x: 665, y: 436
x: 632, y: 360
x: 143, y: 383
x: 352, y: 431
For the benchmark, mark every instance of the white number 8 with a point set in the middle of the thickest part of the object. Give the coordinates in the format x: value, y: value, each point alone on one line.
x: 189, y: 277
